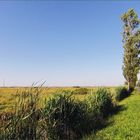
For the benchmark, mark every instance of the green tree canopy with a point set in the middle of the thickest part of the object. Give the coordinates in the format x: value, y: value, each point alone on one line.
x: 131, y: 41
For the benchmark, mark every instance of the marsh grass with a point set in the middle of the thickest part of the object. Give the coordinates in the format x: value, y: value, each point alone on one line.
x: 22, y: 123
x: 64, y: 117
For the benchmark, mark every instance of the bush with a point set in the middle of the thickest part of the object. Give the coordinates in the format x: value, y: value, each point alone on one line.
x: 99, y: 105
x: 104, y: 101
x: 81, y: 91
x: 64, y: 117
x: 94, y: 117
x: 121, y: 93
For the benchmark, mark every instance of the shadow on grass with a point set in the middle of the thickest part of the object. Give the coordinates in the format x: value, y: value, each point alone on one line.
x: 118, y: 109
x: 107, y: 121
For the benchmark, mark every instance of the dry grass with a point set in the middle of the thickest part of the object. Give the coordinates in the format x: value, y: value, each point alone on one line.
x: 8, y: 95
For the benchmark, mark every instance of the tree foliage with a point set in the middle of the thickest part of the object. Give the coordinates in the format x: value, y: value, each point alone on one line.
x: 131, y: 40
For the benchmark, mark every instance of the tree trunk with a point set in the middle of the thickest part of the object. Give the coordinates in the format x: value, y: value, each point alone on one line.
x: 130, y: 87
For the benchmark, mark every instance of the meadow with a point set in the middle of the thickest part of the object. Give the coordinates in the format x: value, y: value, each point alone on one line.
x: 88, y: 113
x: 7, y: 95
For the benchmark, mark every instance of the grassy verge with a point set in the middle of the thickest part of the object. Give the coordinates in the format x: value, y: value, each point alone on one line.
x: 123, y: 126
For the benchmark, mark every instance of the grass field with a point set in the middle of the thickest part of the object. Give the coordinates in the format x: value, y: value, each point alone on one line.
x: 7, y: 95
x: 125, y: 125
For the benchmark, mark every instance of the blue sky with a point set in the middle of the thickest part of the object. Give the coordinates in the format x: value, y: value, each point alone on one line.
x: 63, y: 43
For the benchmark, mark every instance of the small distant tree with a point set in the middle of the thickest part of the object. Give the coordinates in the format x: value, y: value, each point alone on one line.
x: 131, y: 41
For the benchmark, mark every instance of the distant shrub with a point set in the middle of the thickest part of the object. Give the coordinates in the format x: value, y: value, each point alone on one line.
x: 121, y: 93
x: 64, y: 117
x: 81, y: 91
x: 76, y: 86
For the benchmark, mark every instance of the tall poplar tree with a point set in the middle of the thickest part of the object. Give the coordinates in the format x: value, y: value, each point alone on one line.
x: 131, y: 41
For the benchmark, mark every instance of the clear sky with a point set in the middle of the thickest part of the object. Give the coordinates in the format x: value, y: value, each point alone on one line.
x: 63, y: 43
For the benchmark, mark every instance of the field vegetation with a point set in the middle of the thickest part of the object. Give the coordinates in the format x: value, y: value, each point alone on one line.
x: 68, y: 113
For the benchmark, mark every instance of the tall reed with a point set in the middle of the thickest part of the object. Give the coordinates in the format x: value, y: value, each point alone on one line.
x: 24, y: 122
